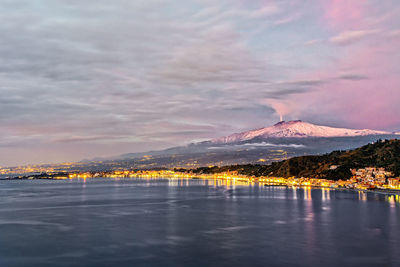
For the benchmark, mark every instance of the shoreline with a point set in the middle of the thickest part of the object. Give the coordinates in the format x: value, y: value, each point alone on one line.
x: 198, y: 177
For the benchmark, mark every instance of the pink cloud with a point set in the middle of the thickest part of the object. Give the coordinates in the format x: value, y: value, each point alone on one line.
x: 348, y: 37
x: 362, y: 90
x: 362, y: 86
x: 344, y: 14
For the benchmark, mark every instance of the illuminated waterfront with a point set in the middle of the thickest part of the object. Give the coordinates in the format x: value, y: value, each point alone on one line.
x: 193, y: 222
x: 358, y: 182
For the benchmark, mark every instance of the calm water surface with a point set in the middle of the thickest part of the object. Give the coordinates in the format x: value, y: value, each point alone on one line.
x: 163, y: 222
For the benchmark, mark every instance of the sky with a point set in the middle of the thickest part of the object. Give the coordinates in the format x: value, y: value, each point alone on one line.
x: 84, y: 79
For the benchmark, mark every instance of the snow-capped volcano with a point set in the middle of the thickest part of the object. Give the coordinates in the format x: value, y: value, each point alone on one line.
x: 297, y: 129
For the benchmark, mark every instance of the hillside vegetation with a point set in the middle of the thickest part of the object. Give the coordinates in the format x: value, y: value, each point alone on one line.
x: 383, y: 153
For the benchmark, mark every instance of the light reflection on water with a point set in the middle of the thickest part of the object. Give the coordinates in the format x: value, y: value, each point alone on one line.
x: 194, y: 222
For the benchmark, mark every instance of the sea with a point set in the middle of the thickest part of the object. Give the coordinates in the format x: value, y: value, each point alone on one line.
x: 193, y: 222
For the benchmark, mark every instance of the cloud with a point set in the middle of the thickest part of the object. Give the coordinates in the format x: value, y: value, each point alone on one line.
x: 353, y: 77
x: 71, y: 139
x: 255, y: 145
x: 349, y: 37
x: 82, y: 80
x: 343, y: 14
x: 312, y: 42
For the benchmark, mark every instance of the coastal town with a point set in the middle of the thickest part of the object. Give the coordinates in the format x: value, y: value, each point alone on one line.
x: 370, y: 178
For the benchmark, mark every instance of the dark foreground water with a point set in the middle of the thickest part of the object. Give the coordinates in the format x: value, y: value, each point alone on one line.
x: 138, y: 222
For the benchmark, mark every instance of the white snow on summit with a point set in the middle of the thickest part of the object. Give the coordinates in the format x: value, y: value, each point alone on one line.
x: 297, y: 129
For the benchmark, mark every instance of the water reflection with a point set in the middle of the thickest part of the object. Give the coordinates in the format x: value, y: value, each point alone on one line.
x: 232, y: 184
x: 362, y: 196
x: 326, y: 194
x: 194, y: 222
x: 307, y: 193
x: 393, y: 200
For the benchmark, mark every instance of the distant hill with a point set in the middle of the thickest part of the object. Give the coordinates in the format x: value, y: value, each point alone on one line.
x: 383, y: 153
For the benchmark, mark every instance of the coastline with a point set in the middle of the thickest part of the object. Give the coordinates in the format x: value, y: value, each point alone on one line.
x: 272, y: 181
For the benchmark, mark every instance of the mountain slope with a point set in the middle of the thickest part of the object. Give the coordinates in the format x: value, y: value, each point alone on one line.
x: 281, y: 141
x: 379, y: 154
x: 296, y: 129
